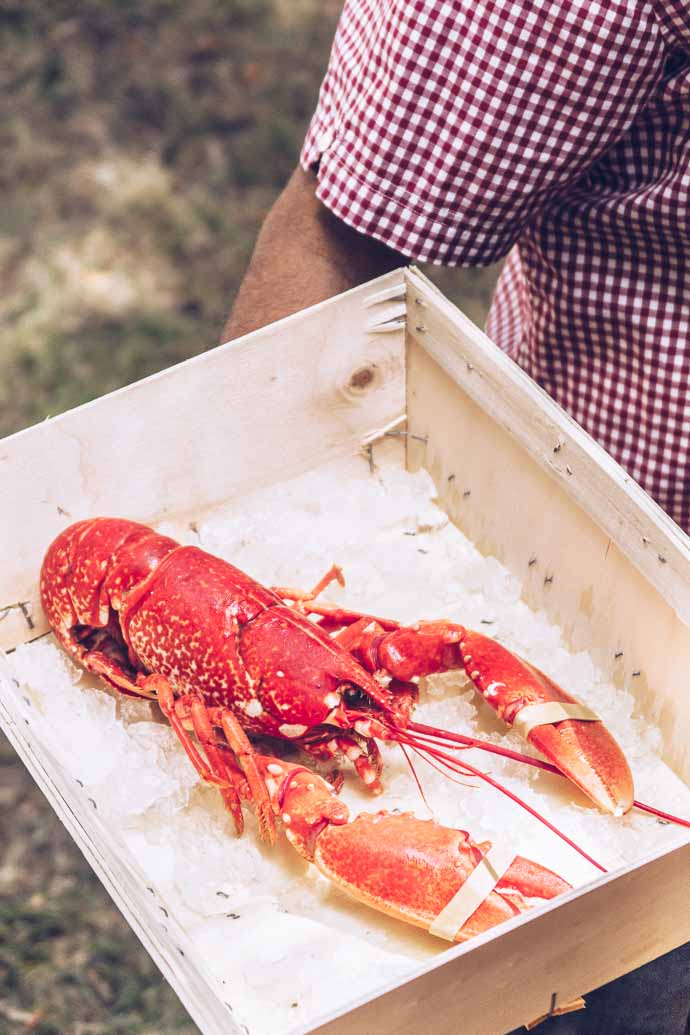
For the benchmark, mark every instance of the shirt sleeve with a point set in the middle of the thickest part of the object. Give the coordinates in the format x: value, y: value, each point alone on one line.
x: 445, y: 126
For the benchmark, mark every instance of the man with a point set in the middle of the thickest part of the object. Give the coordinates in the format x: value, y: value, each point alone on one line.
x: 558, y: 131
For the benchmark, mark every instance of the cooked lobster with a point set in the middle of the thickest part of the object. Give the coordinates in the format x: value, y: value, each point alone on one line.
x: 226, y: 657
x: 127, y: 602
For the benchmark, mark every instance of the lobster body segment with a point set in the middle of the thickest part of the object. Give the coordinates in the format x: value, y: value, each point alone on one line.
x: 208, y: 627
x: 89, y: 570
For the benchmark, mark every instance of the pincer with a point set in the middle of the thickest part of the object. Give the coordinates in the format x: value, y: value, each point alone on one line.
x: 419, y: 871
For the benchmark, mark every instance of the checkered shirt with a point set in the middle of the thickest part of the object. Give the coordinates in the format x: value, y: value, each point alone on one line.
x: 457, y: 131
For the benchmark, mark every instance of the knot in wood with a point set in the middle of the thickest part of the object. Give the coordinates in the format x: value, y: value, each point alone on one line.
x: 362, y: 378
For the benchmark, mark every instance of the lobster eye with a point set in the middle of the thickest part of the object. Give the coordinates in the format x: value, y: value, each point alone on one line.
x: 355, y: 696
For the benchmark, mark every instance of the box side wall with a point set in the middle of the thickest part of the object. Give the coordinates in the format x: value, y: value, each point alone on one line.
x: 255, y: 411
x: 502, y: 497
x: 588, y: 474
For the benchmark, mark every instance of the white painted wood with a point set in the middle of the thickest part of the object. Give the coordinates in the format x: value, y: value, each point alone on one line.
x: 272, y: 404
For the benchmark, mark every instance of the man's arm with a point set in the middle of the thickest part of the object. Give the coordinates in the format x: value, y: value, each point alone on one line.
x: 304, y: 254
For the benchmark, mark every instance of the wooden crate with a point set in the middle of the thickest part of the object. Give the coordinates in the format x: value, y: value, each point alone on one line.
x: 512, y: 471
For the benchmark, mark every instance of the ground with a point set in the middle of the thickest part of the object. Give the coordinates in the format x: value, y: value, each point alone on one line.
x: 143, y: 142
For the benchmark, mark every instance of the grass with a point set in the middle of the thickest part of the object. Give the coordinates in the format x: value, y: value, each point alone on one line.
x: 69, y: 964
x: 142, y: 145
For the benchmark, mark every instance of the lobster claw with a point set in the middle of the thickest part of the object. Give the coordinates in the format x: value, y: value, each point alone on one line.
x: 583, y: 750
x: 413, y: 870
x: 406, y: 867
x: 566, y: 732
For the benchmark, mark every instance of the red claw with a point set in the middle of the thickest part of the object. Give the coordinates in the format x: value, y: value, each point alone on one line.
x: 411, y: 869
x: 583, y: 750
x: 405, y: 867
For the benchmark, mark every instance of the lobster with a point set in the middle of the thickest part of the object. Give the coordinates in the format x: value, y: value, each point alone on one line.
x: 226, y: 657
x: 127, y: 602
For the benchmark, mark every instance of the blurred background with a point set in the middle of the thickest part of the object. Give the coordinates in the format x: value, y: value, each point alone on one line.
x: 143, y: 142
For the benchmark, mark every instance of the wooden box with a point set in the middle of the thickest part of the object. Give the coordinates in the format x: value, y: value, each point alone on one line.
x: 512, y: 471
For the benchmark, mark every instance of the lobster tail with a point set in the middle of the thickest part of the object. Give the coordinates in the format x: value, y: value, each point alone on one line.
x: 86, y: 573
x: 91, y: 564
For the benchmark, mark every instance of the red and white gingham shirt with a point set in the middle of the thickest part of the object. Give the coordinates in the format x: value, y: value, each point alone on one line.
x: 453, y: 130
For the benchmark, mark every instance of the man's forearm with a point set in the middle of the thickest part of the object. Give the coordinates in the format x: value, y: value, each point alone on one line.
x: 303, y: 255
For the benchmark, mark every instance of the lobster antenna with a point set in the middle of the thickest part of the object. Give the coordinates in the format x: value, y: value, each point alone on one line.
x: 661, y: 815
x: 416, y: 777
x: 466, y: 769
x: 431, y: 761
x: 461, y: 742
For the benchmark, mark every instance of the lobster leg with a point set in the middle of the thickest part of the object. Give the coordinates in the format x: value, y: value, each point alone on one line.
x: 302, y: 598
x: 216, y: 771
x: 204, y: 731
x: 102, y: 663
x: 331, y: 615
x: 247, y: 759
x: 175, y: 712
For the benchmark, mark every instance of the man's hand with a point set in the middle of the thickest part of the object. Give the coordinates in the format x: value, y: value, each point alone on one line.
x: 303, y: 255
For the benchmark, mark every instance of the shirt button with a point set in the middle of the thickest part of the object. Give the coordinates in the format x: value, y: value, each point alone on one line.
x: 325, y: 139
